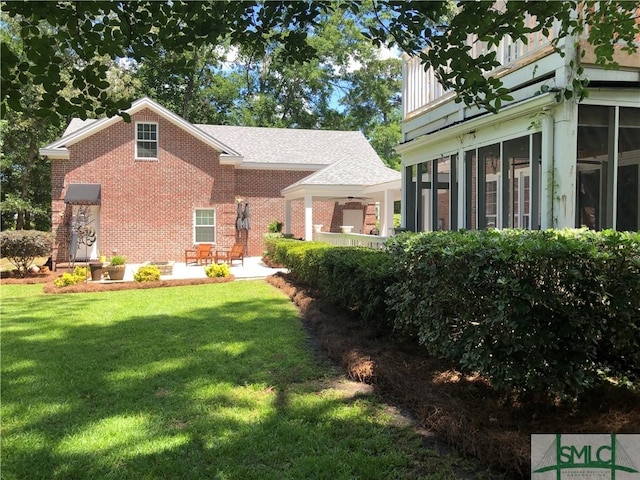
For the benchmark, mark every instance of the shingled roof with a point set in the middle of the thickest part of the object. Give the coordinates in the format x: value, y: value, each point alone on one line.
x: 340, y: 158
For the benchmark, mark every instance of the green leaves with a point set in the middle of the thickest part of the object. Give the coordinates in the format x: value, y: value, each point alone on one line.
x: 536, y: 311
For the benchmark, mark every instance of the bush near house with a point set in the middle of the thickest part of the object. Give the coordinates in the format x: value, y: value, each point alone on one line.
x: 67, y: 279
x: 148, y: 273
x: 542, y: 312
x: 217, y: 270
x: 21, y: 247
x: 545, y: 313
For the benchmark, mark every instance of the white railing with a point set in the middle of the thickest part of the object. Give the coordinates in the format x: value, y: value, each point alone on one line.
x: 421, y: 88
x: 351, y: 239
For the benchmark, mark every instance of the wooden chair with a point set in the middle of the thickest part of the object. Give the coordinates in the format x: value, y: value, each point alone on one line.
x: 228, y: 256
x: 202, y: 253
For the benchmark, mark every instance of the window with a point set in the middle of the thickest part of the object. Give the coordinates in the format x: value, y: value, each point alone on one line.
x: 147, y: 140
x: 608, y: 167
x: 204, y: 225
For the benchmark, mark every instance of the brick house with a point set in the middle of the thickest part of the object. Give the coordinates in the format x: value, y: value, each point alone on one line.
x: 540, y: 162
x: 155, y: 186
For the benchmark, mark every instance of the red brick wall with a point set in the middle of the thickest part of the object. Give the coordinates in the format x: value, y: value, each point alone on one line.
x: 147, y: 206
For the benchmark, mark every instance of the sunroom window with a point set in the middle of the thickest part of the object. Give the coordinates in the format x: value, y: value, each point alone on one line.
x: 608, y: 167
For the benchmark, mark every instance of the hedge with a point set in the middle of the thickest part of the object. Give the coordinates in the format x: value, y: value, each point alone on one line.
x: 545, y: 312
x: 538, y: 312
x: 352, y: 278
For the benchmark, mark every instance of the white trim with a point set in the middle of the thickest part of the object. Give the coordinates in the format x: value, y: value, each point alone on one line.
x: 215, y: 224
x: 312, y: 167
x: 470, y: 126
x: 55, y: 153
x: 138, y: 105
x: 157, y: 141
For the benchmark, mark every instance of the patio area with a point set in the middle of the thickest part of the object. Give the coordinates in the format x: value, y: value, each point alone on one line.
x: 253, y: 268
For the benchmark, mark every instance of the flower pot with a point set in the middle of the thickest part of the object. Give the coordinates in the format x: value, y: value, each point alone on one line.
x: 116, y: 272
x: 96, y: 271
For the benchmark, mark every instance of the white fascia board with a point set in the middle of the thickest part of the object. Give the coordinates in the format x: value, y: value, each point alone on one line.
x: 381, y: 187
x: 307, y: 167
x: 329, y: 191
x: 137, y: 106
x: 467, y: 126
x: 54, y: 153
x: 235, y: 160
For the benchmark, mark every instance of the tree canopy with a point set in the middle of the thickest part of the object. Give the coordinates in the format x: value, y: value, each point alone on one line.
x: 139, y: 30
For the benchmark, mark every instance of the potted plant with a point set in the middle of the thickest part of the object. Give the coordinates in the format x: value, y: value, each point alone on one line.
x: 117, y: 267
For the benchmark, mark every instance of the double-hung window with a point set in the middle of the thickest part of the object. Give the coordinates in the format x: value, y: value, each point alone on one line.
x: 204, y: 225
x: 146, y: 141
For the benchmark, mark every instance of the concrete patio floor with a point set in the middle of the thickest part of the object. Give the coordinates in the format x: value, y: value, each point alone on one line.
x: 253, y: 268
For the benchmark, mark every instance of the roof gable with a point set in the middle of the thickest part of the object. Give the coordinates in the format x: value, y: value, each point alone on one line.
x: 79, y: 130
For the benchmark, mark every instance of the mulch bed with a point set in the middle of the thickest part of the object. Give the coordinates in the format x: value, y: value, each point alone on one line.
x: 47, y: 277
x: 462, y: 410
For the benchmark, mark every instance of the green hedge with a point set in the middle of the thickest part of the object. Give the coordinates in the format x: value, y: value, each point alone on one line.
x: 537, y: 311
x: 352, y: 278
x: 356, y: 279
x: 541, y: 312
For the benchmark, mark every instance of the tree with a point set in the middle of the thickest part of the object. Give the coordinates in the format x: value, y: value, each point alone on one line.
x: 138, y: 29
x: 24, y: 177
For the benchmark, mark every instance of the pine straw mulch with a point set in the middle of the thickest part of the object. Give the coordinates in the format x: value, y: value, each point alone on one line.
x: 460, y: 409
x: 47, y: 277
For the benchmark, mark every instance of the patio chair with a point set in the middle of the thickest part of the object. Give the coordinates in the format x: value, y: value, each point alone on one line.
x: 200, y: 254
x: 228, y: 256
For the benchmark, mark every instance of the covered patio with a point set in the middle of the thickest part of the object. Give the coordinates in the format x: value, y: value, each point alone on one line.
x: 352, y: 181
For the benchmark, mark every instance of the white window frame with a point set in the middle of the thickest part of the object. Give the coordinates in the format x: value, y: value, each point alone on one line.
x: 157, y: 141
x: 196, y: 226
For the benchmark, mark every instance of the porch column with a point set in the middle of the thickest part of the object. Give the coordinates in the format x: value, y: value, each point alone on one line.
x: 308, y: 218
x: 386, y: 213
x: 565, y: 153
x: 287, y: 217
x: 546, y: 172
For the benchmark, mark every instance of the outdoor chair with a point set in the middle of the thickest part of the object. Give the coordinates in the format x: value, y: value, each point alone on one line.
x: 228, y: 256
x: 200, y: 254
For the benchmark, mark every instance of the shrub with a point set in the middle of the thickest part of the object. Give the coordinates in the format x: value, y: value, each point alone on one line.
x: 275, y: 226
x: 79, y: 275
x: 148, y: 273
x: 21, y: 247
x: 542, y: 312
x: 275, y: 246
x: 217, y: 270
x: 118, y: 260
x: 356, y: 279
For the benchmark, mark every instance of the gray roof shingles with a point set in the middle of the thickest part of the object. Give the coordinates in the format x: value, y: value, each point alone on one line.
x: 349, y: 157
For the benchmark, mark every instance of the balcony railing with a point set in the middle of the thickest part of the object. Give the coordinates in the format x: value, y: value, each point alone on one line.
x: 351, y: 239
x: 420, y: 88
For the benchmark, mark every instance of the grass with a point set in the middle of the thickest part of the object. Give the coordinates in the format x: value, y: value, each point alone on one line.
x: 211, y: 381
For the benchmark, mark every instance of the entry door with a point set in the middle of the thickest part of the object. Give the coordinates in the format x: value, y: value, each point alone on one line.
x: 86, y: 245
x: 355, y: 218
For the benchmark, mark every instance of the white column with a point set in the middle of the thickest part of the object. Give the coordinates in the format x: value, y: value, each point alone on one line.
x: 462, y: 189
x: 564, y: 165
x: 386, y: 213
x: 308, y: 218
x: 546, y: 172
x: 287, y: 217
x: 403, y: 202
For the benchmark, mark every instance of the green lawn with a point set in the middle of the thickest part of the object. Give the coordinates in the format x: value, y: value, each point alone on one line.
x: 211, y: 381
